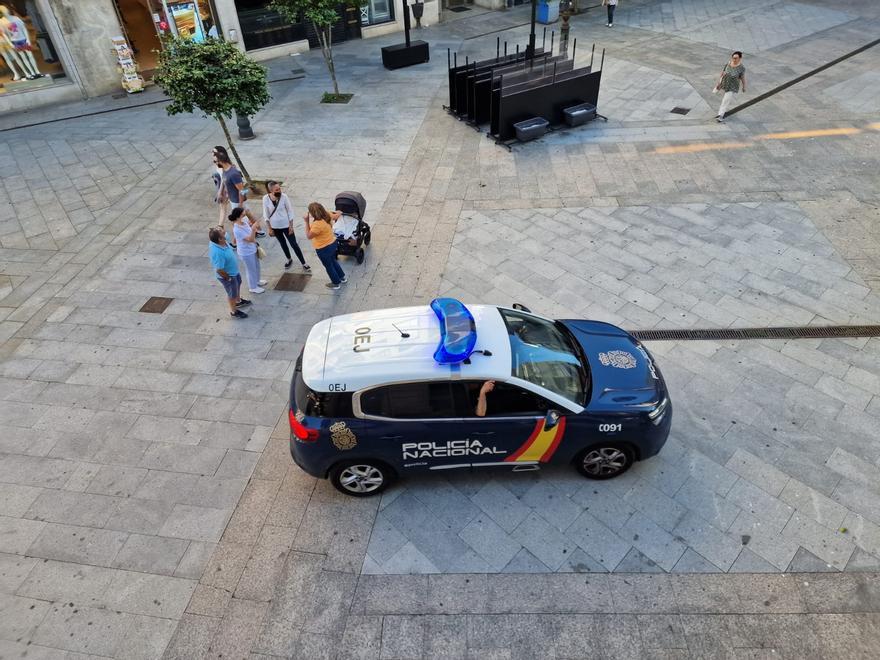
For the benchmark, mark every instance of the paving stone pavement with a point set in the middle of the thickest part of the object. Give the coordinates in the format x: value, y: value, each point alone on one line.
x: 150, y: 504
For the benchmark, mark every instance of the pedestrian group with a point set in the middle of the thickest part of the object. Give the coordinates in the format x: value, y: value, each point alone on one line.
x: 241, y: 243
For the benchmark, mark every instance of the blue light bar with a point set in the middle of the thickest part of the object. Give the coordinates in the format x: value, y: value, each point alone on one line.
x: 458, y: 332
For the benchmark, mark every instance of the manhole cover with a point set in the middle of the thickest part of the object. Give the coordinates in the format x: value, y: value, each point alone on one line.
x: 680, y: 111
x: 156, y: 305
x: 458, y: 10
x: 292, y: 282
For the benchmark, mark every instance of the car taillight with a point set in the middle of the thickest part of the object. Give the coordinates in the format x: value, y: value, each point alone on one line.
x: 301, y: 432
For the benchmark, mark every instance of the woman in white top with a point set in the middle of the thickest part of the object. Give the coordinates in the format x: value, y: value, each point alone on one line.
x: 245, y: 233
x: 278, y: 213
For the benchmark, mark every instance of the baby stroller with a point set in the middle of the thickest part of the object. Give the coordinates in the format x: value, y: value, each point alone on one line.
x: 353, y: 205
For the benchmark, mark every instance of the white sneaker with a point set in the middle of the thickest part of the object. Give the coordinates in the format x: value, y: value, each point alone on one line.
x: 259, y: 289
x: 263, y: 282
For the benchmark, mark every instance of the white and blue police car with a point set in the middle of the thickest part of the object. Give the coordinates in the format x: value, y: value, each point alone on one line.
x: 380, y: 394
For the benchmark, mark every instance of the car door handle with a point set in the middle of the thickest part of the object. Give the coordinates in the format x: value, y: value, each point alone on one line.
x: 390, y: 437
x: 483, y: 433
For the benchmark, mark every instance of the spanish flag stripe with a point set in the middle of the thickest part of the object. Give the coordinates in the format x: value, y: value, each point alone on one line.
x: 560, y: 430
x: 540, y: 445
x: 519, y: 452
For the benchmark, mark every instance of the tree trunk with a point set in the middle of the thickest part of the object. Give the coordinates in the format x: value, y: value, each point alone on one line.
x: 325, y: 38
x: 231, y: 144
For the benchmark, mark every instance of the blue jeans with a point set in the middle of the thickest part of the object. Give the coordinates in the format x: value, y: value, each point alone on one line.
x: 327, y: 255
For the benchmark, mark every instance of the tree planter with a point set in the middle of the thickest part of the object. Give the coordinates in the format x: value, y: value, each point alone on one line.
x: 336, y: 98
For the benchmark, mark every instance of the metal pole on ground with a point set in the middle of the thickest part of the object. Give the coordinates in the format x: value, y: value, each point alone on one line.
x: 531, y: 53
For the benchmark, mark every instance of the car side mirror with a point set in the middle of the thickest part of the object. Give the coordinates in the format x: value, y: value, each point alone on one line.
x: 551, y: 419
x: 521, y: 308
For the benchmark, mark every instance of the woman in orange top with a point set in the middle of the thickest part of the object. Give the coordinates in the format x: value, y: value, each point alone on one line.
x: 319, y: 229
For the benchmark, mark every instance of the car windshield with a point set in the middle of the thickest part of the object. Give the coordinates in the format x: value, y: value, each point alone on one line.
x: 545, y: 355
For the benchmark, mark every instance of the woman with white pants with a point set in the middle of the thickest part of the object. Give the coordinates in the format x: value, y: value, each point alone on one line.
x: 733, y: 76
x: 245, y: 233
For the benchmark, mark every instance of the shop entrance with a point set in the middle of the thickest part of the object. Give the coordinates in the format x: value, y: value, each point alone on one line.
x: 141, y: 31
x: 145, y: 20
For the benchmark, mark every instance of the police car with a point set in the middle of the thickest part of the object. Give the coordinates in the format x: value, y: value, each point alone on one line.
x: 380, y: 394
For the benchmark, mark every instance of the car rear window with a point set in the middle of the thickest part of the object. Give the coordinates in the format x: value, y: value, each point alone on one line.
x: 320, y: 404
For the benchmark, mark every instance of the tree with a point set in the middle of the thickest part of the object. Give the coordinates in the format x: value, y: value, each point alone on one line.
x: 322, y: 14
x: 215, y: 77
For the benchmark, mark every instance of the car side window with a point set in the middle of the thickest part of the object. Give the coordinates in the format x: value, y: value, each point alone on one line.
x: 431, y: 400
x: 502, y: 400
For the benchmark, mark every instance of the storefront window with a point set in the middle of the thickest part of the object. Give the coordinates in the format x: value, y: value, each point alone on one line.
x: 377, y: 11
x: 27, y: 58
x: 261, y: 27
x: 145, y: 20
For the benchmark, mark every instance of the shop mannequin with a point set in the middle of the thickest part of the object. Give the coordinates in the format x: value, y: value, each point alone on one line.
x: 16, y: 31
x: 7, y: 50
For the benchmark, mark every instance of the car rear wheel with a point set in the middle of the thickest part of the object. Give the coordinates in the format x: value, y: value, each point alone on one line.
x: 605, y: 461
x: 360, y: 478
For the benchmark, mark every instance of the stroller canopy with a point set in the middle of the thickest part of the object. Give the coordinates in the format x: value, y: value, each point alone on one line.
x: 351, y: 203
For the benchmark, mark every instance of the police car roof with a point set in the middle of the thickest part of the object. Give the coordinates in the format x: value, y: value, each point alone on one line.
x: 365, y: 349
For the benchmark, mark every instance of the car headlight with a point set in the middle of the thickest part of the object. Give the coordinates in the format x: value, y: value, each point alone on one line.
x: 656, y: 415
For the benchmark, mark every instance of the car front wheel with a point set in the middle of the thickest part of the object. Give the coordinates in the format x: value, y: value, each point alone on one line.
x: 360, y: 478
x: 605, y: 461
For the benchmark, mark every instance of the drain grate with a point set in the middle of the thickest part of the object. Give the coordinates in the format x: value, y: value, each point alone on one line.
x: 292, y: 282
x: 678, y: 110
x: 798, y: 332
x: 156, y: 305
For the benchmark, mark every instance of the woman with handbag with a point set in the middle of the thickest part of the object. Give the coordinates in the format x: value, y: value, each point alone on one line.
x: 278, y: 214
x: 248, y: 249
x: 732, y: 78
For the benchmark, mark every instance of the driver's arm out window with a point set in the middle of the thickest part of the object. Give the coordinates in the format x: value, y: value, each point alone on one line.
x: 503, y: 401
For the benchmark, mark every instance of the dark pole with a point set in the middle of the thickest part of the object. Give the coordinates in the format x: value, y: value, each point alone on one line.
x: 245, y: 132
x: 531, y: 53
x: 406, y: 22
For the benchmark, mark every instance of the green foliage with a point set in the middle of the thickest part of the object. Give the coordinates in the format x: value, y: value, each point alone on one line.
x: 320, y: 12
x: 213, y: 76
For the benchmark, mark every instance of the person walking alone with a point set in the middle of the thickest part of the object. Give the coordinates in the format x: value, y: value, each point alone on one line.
x: 611, y: 5
x: 245, y: 233
x: 226, y: 269
x: 319, y: 229
x: 733, y: 77
x: 278, y: 214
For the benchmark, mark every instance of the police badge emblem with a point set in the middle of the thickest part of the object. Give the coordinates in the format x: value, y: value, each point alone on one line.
x: 618, y: 359
x: 341, y: 436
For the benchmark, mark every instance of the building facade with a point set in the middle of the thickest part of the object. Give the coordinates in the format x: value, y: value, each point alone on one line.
x: 61, y: 50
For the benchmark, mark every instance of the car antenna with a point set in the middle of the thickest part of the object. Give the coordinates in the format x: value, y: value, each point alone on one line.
x: 403, y: 335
